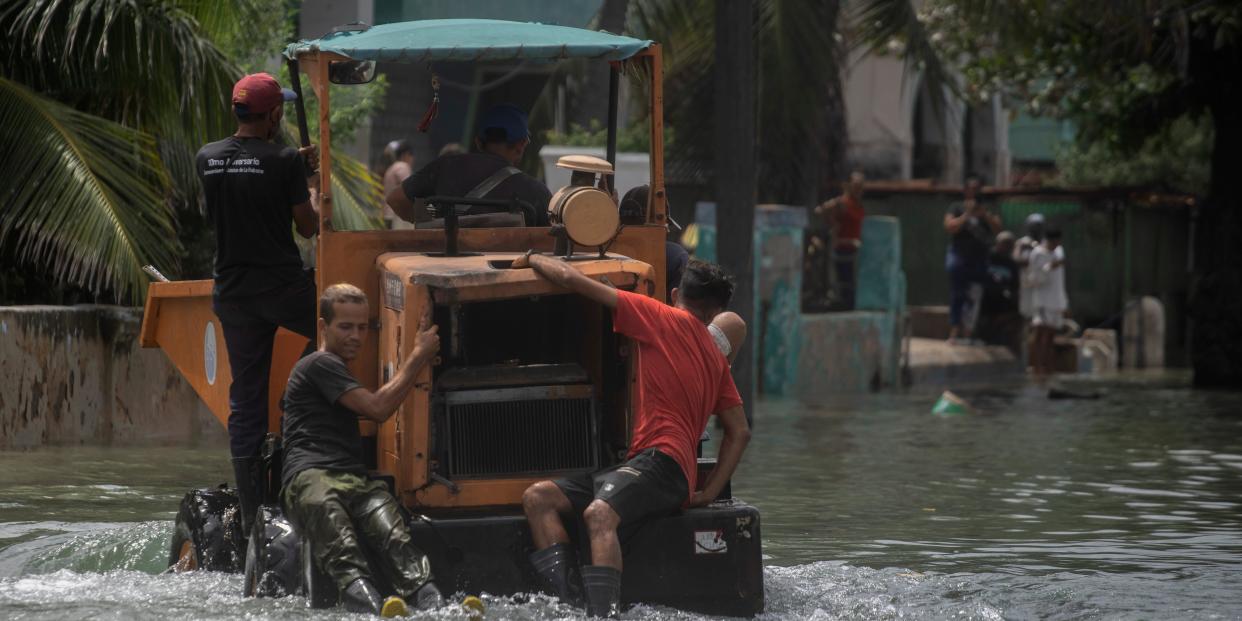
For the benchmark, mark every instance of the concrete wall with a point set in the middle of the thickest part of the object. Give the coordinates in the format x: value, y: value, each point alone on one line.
x: 815, y: 356
x: 75, y: 375
x: 844, y: 353
x: 858, y: 351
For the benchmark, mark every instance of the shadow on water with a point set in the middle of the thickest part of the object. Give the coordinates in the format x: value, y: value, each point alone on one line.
x: 1126, y: 506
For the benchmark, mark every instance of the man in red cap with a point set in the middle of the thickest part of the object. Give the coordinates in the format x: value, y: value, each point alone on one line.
x: 256, y: 188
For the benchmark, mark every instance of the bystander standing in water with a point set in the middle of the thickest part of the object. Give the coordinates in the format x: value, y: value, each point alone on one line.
x: 844, y: 215
x: 1049, y: 302
x: 999, y: 320
x: 970, y: 226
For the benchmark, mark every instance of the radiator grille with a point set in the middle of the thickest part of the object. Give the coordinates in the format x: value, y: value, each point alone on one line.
x: 507, y: 432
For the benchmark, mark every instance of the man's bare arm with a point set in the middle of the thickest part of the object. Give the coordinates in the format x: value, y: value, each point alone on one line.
x: 737, y: 436
x: 406, y: 209
x: 561, y: 273
x: 734, y: 329
x: 306, y: 217
x: 379, y: 405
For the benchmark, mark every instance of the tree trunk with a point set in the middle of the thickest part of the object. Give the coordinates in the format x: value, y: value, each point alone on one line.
x: 1216, y: 299
x: 592, y: 100
x: 834, y: 136
x: 734, y: 88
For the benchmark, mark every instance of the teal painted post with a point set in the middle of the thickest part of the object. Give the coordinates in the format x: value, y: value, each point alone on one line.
x: 775, y: 333
x: 881, y: 283
x: 778, y: 294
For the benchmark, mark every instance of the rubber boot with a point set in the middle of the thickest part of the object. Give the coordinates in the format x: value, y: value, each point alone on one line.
x: 248, y: 473
x: 361, y: 596
x: 427, y: 597
x: 557, y: 570
x: 603, y: 590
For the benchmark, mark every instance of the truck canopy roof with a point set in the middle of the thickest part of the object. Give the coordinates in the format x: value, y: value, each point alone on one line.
x: 471, y: 40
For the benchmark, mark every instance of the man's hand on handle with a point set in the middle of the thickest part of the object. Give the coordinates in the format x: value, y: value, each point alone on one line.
x: 310, y: 155
x: 427, y: 341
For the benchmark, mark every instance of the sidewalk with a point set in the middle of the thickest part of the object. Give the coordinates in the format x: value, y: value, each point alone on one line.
x: 935, y: 362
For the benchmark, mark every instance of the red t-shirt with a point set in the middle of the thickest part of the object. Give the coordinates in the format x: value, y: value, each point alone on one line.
x: 682, y: 378
x: 849, y: 221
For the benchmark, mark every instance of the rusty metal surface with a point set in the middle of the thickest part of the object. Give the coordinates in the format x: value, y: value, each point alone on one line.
x: 485, y: 276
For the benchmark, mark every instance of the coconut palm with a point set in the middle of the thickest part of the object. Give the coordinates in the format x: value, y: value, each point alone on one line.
x: 103, y: 104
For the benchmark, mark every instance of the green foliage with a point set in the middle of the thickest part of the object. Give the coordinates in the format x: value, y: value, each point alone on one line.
x: 88, y: 202
x: 1121, y: 69
x: 1174, y: 158
x: 110, y: 100
x: 636, y: 137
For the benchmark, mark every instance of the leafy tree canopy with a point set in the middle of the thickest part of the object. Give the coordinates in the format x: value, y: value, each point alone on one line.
x: 1123, y: 70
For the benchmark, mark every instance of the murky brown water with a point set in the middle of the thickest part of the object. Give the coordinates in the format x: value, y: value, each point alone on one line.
x: 1125, y: 507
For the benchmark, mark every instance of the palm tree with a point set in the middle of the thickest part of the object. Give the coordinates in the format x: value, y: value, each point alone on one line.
x: 103, y: 104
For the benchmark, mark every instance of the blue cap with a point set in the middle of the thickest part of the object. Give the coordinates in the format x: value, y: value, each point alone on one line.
x: 507, y: 117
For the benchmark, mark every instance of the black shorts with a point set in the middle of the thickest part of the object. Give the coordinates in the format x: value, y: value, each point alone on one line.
x: 650, y: 484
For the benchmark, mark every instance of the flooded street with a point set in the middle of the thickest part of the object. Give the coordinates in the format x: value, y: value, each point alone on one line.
x: 1129, y: 506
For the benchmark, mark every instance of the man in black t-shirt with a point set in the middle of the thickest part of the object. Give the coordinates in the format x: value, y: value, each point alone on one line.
x: 489, y: 173
x: 970, y: 226
x: 255, y: 191
x: 326, y: 492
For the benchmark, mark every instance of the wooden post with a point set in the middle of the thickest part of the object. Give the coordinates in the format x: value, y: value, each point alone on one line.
x: 734, y: 126
x: 656, y: 199
x: 319, y: 81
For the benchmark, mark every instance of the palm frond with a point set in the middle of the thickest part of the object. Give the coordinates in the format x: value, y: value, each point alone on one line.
x: 145, y: 65
x: 357, y: 195
x: 83, y: 196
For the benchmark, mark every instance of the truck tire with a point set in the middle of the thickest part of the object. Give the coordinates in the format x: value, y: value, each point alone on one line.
x: 272, y: 556
x: 207, y: 534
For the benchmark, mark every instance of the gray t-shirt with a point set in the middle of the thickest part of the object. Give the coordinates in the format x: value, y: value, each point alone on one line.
x: 318, y: 431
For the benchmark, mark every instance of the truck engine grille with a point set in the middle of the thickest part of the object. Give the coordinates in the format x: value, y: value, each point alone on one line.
x: 515, y: 431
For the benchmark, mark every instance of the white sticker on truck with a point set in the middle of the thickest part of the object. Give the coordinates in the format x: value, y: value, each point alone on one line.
x: 710, y: 542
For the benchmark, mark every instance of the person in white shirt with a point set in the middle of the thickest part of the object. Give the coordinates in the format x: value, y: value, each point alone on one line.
x: 1045, y: 278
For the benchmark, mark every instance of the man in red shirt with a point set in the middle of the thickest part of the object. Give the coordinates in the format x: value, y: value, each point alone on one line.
x: 844, y: 214
x: 683, y: 379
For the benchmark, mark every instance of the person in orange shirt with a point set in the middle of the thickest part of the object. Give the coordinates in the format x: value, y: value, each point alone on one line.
x: 844, y: 214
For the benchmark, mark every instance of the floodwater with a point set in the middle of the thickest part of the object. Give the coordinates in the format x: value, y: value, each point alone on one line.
x: 1125, y: 507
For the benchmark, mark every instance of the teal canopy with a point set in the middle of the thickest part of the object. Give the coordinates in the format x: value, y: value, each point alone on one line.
x: 472, y: 40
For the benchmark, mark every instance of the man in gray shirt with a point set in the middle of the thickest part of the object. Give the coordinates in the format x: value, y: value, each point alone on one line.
x: 326, y: 492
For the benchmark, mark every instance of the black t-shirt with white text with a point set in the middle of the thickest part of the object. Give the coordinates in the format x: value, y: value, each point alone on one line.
x: 251, y: 186
x: 458, y: 174
x: 318, y: 431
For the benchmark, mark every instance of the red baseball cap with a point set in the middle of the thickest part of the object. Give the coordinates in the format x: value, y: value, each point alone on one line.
x: 258, y: 93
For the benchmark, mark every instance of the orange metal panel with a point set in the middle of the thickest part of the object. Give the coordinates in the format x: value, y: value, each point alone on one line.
x: 185, y: 327
x: 286, y: 351
x: 414, y: 419
x: 178, y: 317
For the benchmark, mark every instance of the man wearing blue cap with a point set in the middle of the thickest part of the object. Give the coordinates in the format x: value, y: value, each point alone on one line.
x: 254, y: 189
x: 490, y: 172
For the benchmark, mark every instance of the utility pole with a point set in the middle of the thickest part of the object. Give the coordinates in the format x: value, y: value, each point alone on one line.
x: 734, y: 125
